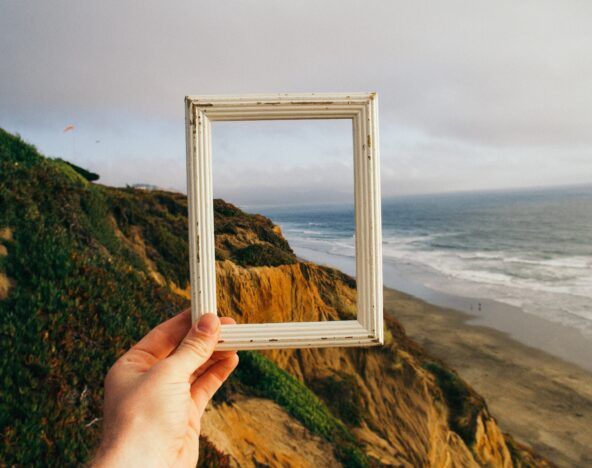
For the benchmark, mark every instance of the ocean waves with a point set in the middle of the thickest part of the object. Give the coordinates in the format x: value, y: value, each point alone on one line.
x: 530, y: 250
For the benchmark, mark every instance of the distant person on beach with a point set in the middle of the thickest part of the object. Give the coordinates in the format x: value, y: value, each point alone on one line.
x: 156, y: 394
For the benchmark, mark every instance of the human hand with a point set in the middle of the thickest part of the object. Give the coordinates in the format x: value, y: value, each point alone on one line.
x: 156, y: 393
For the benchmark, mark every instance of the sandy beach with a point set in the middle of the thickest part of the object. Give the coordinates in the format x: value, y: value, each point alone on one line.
x: 535, y: 373
x: 543, y: 400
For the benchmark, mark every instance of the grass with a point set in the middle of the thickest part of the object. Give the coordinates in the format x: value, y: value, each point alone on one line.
x: 81, y: 297
x: 263, y: 255
x: 462, y: 410
x: 162, y: 223
x: 77, y: 304
x: 263, y: 378
x: 341, y: 393
x: 248, y: 239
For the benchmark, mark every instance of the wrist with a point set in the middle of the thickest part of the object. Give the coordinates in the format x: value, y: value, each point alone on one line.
x: 125, y: 453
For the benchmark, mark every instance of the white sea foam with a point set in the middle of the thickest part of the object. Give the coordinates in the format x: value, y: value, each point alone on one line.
x: 558, y: 289
x: 303, y: 231
x: 500, y: 254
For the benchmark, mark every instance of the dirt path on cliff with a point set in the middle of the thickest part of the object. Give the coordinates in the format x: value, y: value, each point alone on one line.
x: 541, y: 400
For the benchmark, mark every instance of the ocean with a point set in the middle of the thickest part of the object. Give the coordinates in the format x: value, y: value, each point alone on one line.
x: 530, y: 249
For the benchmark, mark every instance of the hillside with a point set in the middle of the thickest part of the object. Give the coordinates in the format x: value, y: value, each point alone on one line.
x: 86, y: 270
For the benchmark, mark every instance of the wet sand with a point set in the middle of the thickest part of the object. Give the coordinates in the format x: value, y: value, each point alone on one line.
x: 535, y: 374
x: 552, y: 337
x: 542, y: 400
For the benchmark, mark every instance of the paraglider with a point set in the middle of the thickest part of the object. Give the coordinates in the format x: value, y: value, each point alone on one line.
x: 70, y: 128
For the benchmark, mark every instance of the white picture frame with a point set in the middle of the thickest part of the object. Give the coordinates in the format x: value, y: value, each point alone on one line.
x: 362, y: 109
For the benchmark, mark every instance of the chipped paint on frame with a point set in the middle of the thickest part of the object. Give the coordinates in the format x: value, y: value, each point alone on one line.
x: 362, y: 109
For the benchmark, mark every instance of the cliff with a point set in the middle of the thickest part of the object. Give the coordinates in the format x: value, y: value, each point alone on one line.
x: 85, y: 270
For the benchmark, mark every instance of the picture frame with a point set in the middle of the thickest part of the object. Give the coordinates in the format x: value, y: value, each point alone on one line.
x: 362, y: 109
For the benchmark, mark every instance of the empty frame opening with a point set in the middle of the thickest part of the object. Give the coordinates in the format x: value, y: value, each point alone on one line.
x: 299, y: 174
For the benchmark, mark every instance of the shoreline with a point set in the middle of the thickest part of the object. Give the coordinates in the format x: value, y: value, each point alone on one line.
x: 518, y: 362
x: 554, y: 338
x: 542, y: 400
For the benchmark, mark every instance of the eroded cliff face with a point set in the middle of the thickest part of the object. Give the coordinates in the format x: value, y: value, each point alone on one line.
x: 258, y: 432
x: 287, y: 293
x: 86, y: 270
x: 404, y: 407
x: 393, y: 404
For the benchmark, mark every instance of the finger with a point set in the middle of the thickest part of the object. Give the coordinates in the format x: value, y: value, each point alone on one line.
x: 224, y: 354
x: 206, y: 385
x: 163, y: 339
x: 217, y: 356
x: 197, y: 346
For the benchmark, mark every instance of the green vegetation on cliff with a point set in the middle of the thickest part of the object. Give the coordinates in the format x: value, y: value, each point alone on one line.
x: 86, y: 270
x: 463, y: 412
x: 80, y: 296
x: 259, y: 376
x: 78, y: 299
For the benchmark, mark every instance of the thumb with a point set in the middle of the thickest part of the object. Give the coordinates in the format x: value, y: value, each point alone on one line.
x: 197, y: 346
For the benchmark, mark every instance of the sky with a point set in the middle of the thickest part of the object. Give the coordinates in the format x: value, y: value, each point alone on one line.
x: 472, y: 95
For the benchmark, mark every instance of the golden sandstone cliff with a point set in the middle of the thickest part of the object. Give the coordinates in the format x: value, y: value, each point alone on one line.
x: 401, y: 415
x: 404, y: 408
x: 85, y: 270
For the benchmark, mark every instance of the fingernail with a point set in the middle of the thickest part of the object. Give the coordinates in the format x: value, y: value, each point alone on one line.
x: 208, y: 324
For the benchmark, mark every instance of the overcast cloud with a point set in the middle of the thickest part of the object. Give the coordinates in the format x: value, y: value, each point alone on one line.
x: 472, y: 94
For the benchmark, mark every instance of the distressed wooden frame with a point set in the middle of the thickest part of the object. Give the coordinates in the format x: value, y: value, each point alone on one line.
x: 362, y: 109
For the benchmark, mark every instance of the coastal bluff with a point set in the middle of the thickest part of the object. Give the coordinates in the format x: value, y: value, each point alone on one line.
x: 91, y: 268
